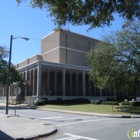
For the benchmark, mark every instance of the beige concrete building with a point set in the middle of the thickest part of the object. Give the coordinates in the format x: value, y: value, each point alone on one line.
x: 61, y: 70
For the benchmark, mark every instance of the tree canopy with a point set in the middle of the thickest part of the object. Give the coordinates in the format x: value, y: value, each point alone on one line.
x: 95, y: 13
x: 14, y: 74
x: 115, y: 63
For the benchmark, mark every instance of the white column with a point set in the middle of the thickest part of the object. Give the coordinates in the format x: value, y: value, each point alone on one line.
x: 83, y: 81
x: 3, y: 91
x: 115, y: 94
x: 64, y: 81
x: 39, y: 78
x: 94, y: 89
x: 100, y: 94
x: 29, y: 82
x: 55, y: 84
x: 33, y: 82
x: 77, y: 83
x: 48, y: 81
x: 9, y: 93
x: 89, y: 87
x: 71, y: 83
x: 26, y: 83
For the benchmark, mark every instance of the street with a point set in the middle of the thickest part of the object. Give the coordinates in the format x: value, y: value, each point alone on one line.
x: 82, y: 127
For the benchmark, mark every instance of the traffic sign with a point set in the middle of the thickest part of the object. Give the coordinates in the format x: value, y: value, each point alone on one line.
x: 17, y: 90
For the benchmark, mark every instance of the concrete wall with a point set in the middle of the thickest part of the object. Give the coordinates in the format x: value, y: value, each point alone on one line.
x: 77, y: 48
x: 22, y: 64
x: 55, y: 45
x: 73, y: 57
x: 52, y: 56
x: 77, y: 41
x: 29, y: 61
x: 35, y: 58
x: 50, y: 42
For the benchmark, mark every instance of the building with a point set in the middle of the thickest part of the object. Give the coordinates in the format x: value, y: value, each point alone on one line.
x: 61, y: 70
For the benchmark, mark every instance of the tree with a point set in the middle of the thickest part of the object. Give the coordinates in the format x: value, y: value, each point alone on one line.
x: 3, y: 63
x: 115, y: 63
x: 95, y: 13
x: 14, y: 74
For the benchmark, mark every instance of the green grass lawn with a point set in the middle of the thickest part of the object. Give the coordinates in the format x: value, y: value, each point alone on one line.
x: 107, y: 109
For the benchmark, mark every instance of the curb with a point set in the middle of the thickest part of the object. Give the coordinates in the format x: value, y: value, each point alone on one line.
x: 92, y: 114
x: 38, y: 136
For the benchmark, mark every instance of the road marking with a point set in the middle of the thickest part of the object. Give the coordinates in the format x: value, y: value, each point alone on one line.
x: 75, y: 137
x: 50, y: 118
x: 76, y: 118
x: 84, y: 121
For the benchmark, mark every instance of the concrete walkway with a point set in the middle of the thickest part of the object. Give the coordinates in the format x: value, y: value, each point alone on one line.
x: 21, y: 128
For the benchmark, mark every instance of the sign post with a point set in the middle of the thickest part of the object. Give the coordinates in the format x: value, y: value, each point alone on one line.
x: 17, y: 91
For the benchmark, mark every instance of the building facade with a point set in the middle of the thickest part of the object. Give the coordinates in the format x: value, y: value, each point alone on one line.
x: 61, y: 70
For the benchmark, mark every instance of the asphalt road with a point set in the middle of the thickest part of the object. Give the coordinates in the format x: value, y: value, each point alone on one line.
x: 82, y: 127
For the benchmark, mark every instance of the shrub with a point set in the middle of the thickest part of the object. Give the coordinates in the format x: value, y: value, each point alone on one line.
x: 136, y: 103
x: 110, y: 103
x: 126, y: 103
x: 40, y: 102
x: 96, y: 102
x: 68, y: 101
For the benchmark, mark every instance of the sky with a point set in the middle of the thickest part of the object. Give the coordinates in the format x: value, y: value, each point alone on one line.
x: 33, y: 23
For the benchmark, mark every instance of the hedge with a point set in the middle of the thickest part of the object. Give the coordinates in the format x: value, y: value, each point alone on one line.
x: 96, y: 102
x: 131, y: 103
x: 126, y: 103
x: 40, y: 102
x: 136, y: 103
x: 62, y: 102
x: 110, y: 103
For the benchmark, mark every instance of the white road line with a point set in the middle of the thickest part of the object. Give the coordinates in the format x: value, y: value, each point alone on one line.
x: 79, y: 137
x: 50, y: 118
x: 71, y: 118
x: 67, y: 138
x: 46, y: 121
x: 84, y: 121
x: 75, y: 137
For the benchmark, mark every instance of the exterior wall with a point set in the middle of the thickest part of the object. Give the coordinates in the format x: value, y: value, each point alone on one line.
x: 73, y: 57
x: 77, y: 46
x: 29, y: 61
x: 22, y: 64
x: 34, y: 58
x: 50, y: 42
x: 52, y: 56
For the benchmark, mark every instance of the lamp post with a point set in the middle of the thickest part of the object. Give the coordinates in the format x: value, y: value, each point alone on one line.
x: 9, y: 65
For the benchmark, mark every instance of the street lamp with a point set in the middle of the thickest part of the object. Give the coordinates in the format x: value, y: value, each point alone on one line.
x: 9, y: 64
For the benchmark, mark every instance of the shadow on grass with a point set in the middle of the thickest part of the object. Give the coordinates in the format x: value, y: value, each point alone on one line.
x: 67, y: 104
x: 129, y: 109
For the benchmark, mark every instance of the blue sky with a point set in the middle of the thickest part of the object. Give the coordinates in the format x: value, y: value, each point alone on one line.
x: 24, y: 21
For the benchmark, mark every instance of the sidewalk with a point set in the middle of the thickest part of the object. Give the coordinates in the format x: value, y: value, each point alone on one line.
x: 21, y: 128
